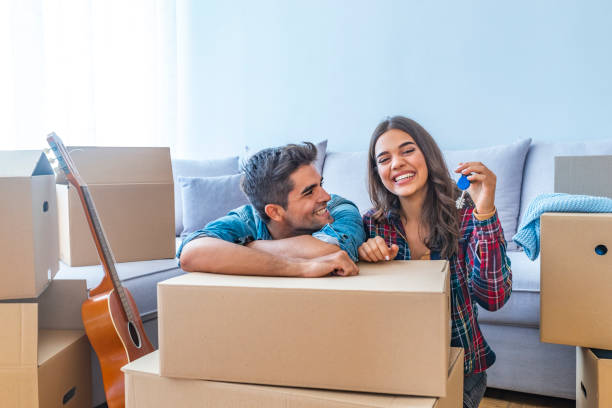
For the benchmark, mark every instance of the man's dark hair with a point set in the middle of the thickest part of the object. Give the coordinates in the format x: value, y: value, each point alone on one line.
x: 266, y: 174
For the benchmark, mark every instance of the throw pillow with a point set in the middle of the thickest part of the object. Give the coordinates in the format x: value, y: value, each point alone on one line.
x: 207, y: 198
x: 197, y: 168
x: 507, y: 163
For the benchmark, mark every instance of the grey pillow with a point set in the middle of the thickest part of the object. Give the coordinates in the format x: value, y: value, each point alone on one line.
x: 207, y: 198
x: 507, y: 163
x: 318, y: 163
x: 197, y: 168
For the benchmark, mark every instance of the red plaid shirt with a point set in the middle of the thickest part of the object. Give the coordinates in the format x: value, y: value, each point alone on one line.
x: 480, y: 273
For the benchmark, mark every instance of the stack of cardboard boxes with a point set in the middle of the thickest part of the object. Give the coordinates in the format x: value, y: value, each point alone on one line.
x: 379, y: 339
x: 44, y: 354
x: 576, y: 278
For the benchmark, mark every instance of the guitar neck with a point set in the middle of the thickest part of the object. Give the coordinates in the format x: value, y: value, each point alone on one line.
x: 106, y: 255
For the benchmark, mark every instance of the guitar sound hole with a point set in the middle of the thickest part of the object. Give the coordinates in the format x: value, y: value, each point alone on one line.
x: 134, y: 334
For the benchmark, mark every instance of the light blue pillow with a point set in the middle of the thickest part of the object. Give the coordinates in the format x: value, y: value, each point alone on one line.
x: 507, y: 163
x: 197, y: 168
x: 207, y: 198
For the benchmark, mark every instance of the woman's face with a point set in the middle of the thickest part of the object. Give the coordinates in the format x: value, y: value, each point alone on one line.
x: 401, y: 164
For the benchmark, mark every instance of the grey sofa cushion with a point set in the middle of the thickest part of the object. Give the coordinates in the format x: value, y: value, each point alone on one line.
x: 207, y: 198
x: 507, y: 163
x: 197, y: 168
x: 527, y: 365
x: 539, y: 174
x: 522, y: 310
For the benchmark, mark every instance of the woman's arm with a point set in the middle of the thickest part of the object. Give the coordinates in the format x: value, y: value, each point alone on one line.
x: 488, y: 265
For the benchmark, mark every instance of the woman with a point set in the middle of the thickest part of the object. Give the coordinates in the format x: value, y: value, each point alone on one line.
x: 415, y: 217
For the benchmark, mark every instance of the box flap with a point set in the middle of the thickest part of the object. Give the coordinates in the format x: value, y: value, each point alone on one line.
x: 24, y: 163
x: 51, y: 342
x: 19, y: 334
x: 122, y: 165
x: 393, y: 276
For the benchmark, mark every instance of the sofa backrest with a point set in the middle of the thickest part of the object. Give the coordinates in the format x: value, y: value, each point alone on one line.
x: 346, y: 174
x: 539, y: 171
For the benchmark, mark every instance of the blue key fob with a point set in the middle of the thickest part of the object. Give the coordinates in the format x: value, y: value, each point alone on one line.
x: 463, y: 183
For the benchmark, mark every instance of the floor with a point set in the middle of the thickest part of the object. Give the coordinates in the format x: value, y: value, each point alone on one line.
x: 495, y: 398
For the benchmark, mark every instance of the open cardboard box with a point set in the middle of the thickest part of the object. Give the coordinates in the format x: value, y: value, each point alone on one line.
x: 385, y: 330
x: 133, y: 191
x: 576, y: 279
x: 145, y: 388
x: 593, y: 378
x: 28, y: 215
x: 44, y: 353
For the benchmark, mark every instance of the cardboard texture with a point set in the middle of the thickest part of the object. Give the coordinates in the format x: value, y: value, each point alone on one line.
x: 575, y: 280
x: 57, y: 374
x: 28, y: 214
x: 145, y: 388
x: 385, y: 330
x: 593, y: 379
x: 588, y: 175
x: 41, y: 367
x: 133, y: 192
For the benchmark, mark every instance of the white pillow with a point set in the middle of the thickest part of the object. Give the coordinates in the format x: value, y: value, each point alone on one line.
x: 507, y: 163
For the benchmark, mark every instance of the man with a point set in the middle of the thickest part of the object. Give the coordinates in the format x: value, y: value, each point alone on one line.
x: 293, y: 227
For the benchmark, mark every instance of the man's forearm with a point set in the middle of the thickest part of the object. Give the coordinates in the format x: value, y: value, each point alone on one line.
x: 217, y: 256
x: 303, y: 246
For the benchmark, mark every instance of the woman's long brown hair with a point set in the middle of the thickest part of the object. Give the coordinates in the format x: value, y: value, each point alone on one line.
x: 439, y: 214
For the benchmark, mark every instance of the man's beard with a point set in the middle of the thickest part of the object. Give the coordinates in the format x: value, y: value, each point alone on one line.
x: 301, y: 229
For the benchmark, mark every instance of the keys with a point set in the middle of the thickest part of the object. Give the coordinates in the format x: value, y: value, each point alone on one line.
x: 463, y: 183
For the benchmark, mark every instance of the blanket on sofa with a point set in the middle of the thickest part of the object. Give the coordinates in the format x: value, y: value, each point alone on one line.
x: 528, y: 235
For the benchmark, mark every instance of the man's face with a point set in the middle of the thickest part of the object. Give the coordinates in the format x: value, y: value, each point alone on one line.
x: 307, y: 203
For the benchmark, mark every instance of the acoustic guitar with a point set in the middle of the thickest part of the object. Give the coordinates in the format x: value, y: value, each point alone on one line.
x: 110, y: 315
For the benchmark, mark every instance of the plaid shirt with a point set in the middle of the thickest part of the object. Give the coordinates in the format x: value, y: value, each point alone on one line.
x: 480, y: 273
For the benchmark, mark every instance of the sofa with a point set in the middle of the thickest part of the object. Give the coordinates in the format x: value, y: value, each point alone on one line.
x: 206, y: 189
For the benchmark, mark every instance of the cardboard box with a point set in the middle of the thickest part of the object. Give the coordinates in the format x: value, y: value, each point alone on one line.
x: 146, y: 389
x: 133, y: 192
x: 386, y: 330
x: 575, y: 282
x: 588, y: 175
x: 41, y: 367
x: 28, y: 215
x: 593, y: 378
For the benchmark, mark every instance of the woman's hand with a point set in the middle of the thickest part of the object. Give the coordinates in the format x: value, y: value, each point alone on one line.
x: 482, y: 185
x: 375, y: 250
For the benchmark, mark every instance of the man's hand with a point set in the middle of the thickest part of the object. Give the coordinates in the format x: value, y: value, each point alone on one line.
x: 338, y: 263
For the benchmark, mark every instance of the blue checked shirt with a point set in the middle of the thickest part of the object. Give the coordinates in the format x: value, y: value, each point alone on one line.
x: 244, y: 225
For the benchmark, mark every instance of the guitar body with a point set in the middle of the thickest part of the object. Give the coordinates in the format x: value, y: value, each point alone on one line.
x: 107, y: 329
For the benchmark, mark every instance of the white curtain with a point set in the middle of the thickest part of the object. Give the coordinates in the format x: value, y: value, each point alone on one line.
x: 96, y: 72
